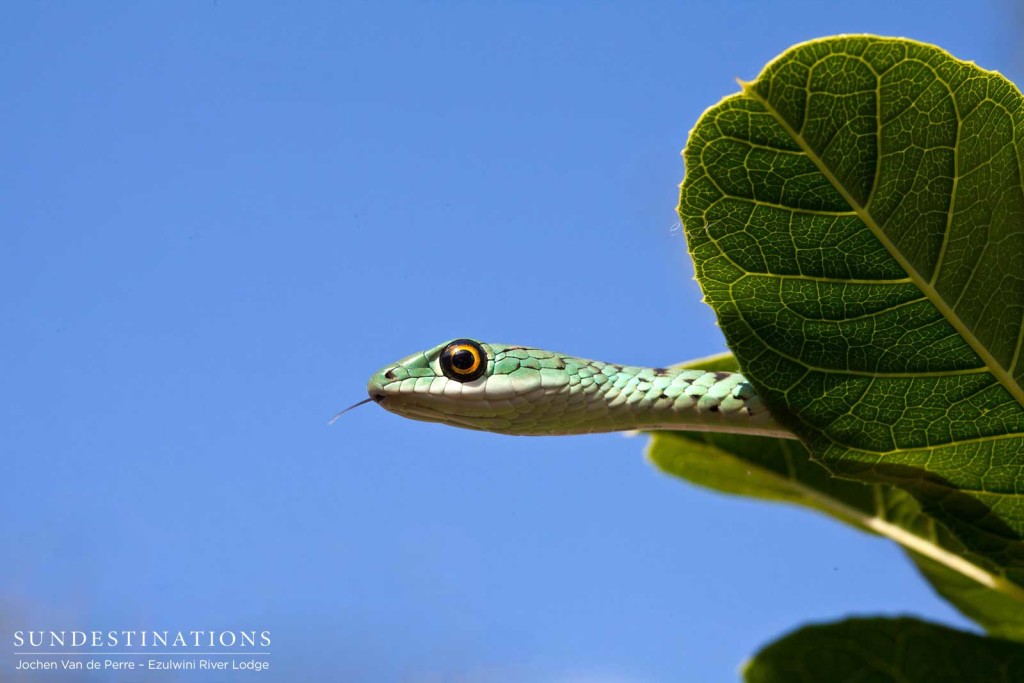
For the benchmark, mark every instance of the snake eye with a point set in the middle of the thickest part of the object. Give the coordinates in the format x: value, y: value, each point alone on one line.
x: 463, y: 360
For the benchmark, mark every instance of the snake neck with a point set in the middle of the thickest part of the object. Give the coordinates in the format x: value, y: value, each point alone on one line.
x: 597, y: 397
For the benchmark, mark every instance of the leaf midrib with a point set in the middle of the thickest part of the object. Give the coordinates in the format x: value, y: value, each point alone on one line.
x: 875, y: 523
x: 1001, y: 374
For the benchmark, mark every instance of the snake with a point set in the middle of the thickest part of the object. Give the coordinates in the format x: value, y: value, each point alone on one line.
x: 527, y: 391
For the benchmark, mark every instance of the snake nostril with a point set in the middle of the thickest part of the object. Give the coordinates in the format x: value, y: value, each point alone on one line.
x: 390, y: 374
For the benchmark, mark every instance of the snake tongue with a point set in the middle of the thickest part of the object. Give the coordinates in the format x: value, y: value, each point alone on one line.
x: 376, y: 398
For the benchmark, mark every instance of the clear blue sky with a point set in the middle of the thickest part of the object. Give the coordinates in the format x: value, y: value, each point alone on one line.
x: 220, y: 217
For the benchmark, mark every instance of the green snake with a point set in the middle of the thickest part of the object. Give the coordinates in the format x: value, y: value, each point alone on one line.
x: 526, y: 391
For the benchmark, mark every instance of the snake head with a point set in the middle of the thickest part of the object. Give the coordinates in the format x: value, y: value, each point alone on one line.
x: 466, y: 383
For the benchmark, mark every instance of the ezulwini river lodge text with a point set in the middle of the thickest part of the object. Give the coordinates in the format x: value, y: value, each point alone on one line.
x: 187, y: 664
x: 141, y: 639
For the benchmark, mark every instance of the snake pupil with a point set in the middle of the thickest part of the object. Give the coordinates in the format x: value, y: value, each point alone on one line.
x: 463, y: 359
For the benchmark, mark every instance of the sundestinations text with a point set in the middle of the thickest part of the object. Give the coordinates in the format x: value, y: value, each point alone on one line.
x: 183, y: 639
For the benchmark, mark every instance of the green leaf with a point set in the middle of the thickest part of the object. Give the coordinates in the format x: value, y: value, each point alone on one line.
x: 856, y: 218
x: 886, y: 650
x: 782, y: 470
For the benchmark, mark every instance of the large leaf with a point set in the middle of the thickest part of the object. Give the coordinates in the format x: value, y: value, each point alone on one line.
x: 782, y: 470
x: 886, y: 651
x: 856, y: 218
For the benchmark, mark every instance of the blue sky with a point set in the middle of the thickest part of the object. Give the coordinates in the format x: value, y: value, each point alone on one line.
x: 221, y: 217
